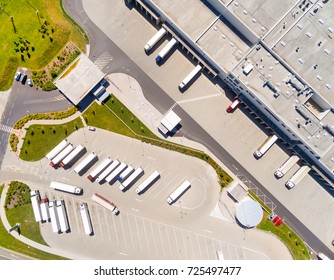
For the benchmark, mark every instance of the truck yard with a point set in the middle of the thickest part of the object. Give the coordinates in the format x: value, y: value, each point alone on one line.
x: 147, y: 226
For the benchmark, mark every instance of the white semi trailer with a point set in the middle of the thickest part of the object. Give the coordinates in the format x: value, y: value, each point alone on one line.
x: 65, y: 188
x: 72, y: 156
x: 85, y: 162
x: 148, y: 182
x: 131, y: 179
x: 96, y: 171
x: 45, y: 209
x: 265, y: 146
x: 105, y: 203
x: 165, y: 50
x: 61, y: 211
x: 106, y: 172
x: 190, y: 76
x: 117, y: 171
x: 155, y: 39
x: 178, y: 192
x: 286, y: 166
x: 36, y: 207
x: 127, y: 172
x: 58, y: 158
x: 86, y: 221
x: 298, y: 176
x: 56, y: 150
x: 54, y: 217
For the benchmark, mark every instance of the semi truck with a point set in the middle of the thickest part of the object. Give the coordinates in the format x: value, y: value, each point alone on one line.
x: 298, y: 176
x: 105, y: 203
x: 233, y: 105
x: 178, y: 192
x: 322, y: 256
x: 117, y: 171
x: 190, y: 76
x: 286, y: 166
x: 165, y: 50
x: 125, y: 173
x: 72, y: 156
x: 96, y: 171
x: 106, y: 172
x: 131, y: 179
x: 45, y: 209
x: 85, y: 162
x: 87, y: 223
x: 265, y: 146
x: 54, y: 217
x: 36, y: 207
x: 56, y: 150
x: 65, y: 188
x: 58, y: 158
x: 155, y: 39
x: 61, y: 211
x: 148, y: 182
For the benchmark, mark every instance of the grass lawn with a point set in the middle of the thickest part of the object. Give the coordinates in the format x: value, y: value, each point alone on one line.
x: 25, y: 217
x: 31, y: 34
x: 40, y: 139
x: 100, y: 116
x: 9, y: 242
x: 288, y: 237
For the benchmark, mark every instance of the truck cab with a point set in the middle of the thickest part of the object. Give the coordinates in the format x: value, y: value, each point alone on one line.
x: 233, y: 105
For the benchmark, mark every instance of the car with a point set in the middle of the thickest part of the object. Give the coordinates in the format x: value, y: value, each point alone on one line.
x: 278, y: 223
x: 17, y: 76
x: 29, y: 82
x: 23, y: 79
x: 91, y: 128
x: 276, y: 219
x: 271, y: 216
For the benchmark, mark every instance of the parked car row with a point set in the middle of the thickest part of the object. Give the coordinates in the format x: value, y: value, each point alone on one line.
x: 22, y: 78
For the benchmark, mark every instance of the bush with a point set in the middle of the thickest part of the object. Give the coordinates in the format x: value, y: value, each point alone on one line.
x: 13, y: 141
x: 18, y: 194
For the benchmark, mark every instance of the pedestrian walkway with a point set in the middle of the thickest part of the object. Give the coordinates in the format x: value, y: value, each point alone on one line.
x: 5, y: 128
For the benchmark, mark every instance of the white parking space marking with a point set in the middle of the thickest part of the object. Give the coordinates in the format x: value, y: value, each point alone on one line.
x: 139, y: 235
x: 131, y: 232
x: 153, y: 237
x: 123, y: 234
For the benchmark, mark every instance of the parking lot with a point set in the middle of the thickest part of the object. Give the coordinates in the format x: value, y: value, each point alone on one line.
x: 147, y: 227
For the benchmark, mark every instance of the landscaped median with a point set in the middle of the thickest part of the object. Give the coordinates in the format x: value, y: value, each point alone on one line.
x: 67, y: 128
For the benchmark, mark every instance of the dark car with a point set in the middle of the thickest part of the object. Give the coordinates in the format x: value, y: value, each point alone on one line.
x: 23, y: 79
x: 17, y: 76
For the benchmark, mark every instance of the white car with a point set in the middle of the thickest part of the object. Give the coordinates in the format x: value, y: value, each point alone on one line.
x: 91, y: 128
x: 29, y: 82
x: 17, y: 76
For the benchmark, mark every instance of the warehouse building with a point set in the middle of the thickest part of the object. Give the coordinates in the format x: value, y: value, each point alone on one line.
x: 275, y: 56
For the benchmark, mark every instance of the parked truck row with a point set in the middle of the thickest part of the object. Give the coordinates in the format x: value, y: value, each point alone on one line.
x: 56, y: 213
